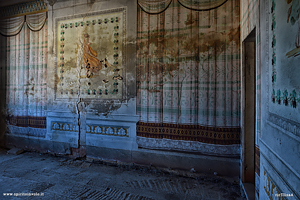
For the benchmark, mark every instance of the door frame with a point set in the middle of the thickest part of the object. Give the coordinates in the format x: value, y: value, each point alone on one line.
x: 248, y: 118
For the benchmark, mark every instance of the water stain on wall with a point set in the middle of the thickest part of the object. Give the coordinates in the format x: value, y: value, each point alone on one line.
x: 106, y: 108
x: 71, y: 63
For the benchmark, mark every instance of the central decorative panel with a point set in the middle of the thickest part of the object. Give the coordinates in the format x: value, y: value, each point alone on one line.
x: 90, y: 55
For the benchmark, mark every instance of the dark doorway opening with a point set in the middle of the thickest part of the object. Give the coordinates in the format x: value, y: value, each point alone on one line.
x: 248, y: 114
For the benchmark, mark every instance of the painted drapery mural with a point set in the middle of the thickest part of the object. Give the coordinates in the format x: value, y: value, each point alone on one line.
x: 90, y: 55
x: 188, y: 74
x: 24, y: 72
x: 157, y: 6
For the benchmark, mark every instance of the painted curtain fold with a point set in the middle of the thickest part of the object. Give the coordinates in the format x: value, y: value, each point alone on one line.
x: 202, y: 4
x: 154, y: 6
x: 188, y: 74
x: 35, y: 22
x: 12, y: 26
x: 157, y: 6
x: 24, y: 75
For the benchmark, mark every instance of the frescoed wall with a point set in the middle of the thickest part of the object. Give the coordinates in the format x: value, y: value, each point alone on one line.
x: 189, y: 78
x: 293, y: 18
x: 23, y: 68
x: 123, y: 80
x: 174, y: 87
x: 68, y: 76
x: 285, y: 92
x: 91, y: 75
x: 95, y: 58
x: 279, y: 143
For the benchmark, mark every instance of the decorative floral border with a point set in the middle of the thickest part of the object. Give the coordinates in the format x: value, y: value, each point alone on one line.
x: 116, y: 49
x: 286, y: 97
x: 211, y: 135
x: 93, y: 129
x: 64, y: 126
x: 123, y: 62
x: 107, y: 130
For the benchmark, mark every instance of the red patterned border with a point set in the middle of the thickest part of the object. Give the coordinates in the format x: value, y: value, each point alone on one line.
x: 211, y: 135
x: 27, y: 121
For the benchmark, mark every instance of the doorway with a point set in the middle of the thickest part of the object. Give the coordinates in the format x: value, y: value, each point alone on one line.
x: 248, y: 114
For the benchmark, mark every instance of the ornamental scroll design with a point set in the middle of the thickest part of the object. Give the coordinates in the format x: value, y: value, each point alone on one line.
x: 64, y: 126
x: 107, y: 130
x: 289, y: 125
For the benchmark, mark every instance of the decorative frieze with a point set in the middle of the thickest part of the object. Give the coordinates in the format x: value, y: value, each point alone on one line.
x: 107, y: 130
x: 24, y: 8
x: 93, y: 129
x: 203, y: 134
x: 288, y: 125
x: 64, y: 126
x: 27, y: 121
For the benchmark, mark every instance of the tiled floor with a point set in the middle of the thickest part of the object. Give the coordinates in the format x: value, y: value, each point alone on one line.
x: 54, y: 177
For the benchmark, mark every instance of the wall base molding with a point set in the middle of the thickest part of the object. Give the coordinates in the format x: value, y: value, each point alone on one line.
x: 189, y: 146
x: 26, y: 131
x: 288, y: 182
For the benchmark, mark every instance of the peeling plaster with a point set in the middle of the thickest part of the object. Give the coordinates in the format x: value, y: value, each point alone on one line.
x: 78, y: 103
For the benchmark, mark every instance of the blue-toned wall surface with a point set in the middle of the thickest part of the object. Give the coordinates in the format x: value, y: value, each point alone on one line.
x: 280, y: 131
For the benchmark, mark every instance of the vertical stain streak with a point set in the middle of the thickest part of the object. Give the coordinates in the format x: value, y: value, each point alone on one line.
x: 197, y: 68
x: 148, y: 64
x: 160, y: 47
x: 215, y: 72
x: 177, y: 60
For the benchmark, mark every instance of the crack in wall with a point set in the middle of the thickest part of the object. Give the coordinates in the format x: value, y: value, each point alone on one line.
x: 79, y: 106
x: 78, y: 113
x: 79, y: 100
